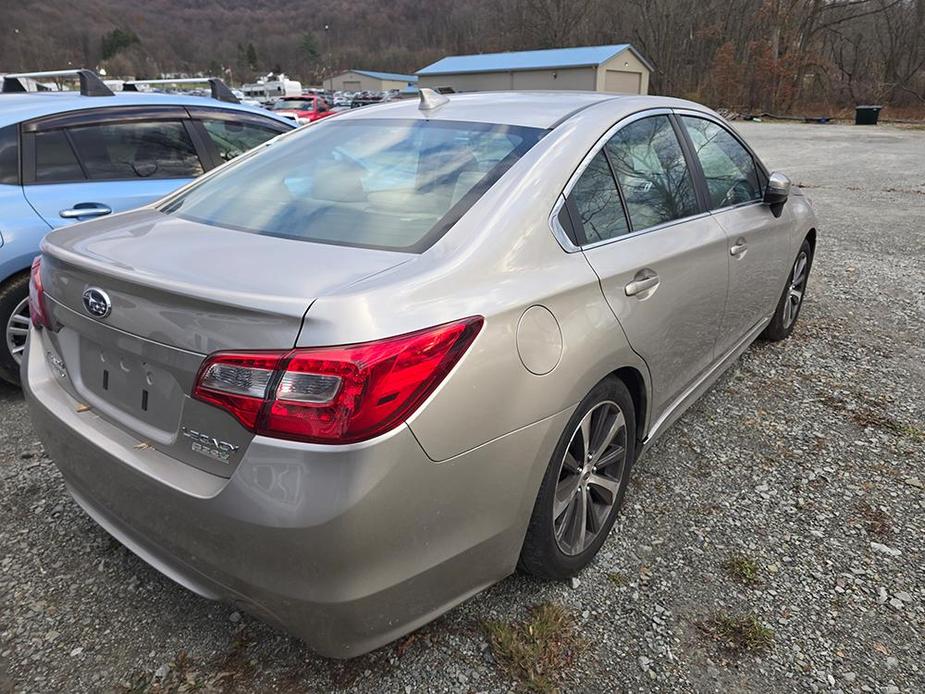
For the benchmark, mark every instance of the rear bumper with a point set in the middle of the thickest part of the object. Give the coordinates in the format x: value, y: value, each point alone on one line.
x: 348, y: 547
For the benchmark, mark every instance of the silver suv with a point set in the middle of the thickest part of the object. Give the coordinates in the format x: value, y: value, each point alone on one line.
x: 376, y: 365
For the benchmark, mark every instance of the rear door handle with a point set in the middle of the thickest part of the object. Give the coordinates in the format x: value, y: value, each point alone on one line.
x: 738, y: 248
x: 642, y: 282
x: 85, y: 210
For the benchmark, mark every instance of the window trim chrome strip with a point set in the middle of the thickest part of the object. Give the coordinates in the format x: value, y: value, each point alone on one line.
x: 647, y: 230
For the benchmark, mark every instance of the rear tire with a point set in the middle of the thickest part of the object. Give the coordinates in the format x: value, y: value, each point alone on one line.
x: 14, y: 324
x: 583, y: 488
x: 791, y: 300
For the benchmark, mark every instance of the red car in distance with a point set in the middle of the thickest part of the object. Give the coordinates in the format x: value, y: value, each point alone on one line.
x: 303, y: 109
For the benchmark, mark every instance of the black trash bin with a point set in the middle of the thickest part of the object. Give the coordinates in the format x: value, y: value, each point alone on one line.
x: 866, y: 115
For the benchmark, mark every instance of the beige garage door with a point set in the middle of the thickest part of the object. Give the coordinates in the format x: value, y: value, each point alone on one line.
x: 351, y: 86
x: 622, y: 82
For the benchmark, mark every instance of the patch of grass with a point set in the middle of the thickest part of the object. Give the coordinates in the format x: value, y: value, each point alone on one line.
x: 909, y: 431
x: 182, y: 676
x: 875, y: 520
x: 870, y: 414
x: 743, y: 569
x: 877, y: 420
x: 538, y: 650
x: 618, y: 579
x: 738, y: 634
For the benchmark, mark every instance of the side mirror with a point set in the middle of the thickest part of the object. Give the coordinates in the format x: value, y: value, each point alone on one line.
x: 778, y: 189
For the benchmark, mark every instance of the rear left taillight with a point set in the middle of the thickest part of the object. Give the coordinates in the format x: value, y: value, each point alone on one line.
x: 37, y: 310
x: 334, y: 394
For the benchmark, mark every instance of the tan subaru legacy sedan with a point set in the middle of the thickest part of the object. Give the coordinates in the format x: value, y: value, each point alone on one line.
x: 356, y: 376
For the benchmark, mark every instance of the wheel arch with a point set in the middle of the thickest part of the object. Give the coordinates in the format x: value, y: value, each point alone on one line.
x: 811, y: 237
x: 635, y: 382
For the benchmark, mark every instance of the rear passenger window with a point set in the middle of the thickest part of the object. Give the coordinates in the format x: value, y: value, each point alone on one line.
x: 234, y: 139
x: 729, y: 169
x: 598, y: 203
x: 9, y: 155
x: 54, y: 159
x: 136, y: 150
x: 652, y: 172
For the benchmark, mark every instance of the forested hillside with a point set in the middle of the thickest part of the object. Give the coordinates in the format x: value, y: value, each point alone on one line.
x: 773, y: 55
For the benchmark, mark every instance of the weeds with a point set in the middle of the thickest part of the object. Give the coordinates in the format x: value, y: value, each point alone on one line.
x: 743, y: 569
x: 738, y: 633
x: 537, y: 650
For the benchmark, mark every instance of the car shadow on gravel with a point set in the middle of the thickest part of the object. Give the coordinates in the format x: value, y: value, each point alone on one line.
x: 9, y: 393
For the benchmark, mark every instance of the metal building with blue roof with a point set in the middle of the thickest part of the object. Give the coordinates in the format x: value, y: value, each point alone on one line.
x: 617, y: 68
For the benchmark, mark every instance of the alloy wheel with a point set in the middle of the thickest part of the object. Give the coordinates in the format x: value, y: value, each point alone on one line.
x: 796, y: 289
x: 589, y: 478
x: 17, y: 330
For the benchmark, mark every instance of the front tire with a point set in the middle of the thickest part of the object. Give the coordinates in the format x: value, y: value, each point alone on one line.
x: 791, y: 300
x: 14, y: 323
x: 583, y: 488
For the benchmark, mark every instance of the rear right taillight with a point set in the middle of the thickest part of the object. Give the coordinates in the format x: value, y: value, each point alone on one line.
x: 37, y: 310
x: 334, y: 394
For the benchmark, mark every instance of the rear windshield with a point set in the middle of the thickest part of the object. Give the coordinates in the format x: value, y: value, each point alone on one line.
x: 375, y: 183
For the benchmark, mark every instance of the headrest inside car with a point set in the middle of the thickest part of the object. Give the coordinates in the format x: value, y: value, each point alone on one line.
x: 338, y: 181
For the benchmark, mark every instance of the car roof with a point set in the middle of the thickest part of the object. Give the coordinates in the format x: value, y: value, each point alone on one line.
x: 18, y: 107
x: 534, y: 109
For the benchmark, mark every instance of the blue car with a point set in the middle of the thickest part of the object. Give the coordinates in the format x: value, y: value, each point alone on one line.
x: 66, y: 157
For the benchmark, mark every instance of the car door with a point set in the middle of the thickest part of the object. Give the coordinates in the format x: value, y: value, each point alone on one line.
x: 758, y: 240
x: 77, y: 166
x: 660, y: 258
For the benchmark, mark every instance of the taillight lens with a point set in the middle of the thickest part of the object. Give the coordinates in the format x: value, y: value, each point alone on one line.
x: 237, y: 382
x: 37, y: 310
x: 334, y: 394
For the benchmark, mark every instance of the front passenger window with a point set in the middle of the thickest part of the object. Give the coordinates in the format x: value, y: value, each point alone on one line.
x: 652, y: 172
x: 728, y: 168
x: 232, y: 139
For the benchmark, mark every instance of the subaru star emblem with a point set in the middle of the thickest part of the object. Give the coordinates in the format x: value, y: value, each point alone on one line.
x: 97, y: 302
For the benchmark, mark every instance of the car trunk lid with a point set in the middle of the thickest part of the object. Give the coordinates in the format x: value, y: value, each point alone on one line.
x: 179, y: 290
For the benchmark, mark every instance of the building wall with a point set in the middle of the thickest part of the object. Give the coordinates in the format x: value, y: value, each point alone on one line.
x: 469, y: 82
x: 622, y: 73
x: 612, y: 77
x: 354, y: 81
x: 580, y: 78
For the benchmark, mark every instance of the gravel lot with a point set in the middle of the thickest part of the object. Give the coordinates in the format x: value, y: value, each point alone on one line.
x: 792, y: 493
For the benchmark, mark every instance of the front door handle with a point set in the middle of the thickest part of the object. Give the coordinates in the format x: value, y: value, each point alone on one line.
x: 738, y: 248
x: 644, y: 281
x: 85, y: 210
